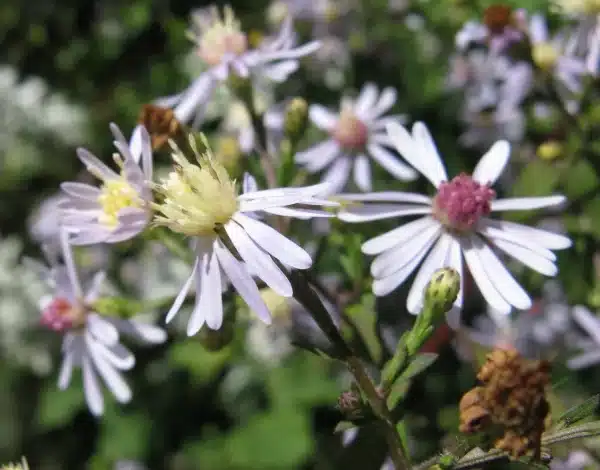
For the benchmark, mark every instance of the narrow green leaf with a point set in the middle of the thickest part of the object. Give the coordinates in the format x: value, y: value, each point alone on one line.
x: 397, y: 392
x: 418, y: 364
x: 581, y: 411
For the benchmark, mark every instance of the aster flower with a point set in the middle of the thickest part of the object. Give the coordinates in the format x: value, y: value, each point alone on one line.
x: 356, y: 133
x: 119, y: 209
x: 590, y: 349
x: 557, y: 55
x: 91, y: 341
x: 494, y: 88
x: 453, y: 224
x: 230, y: 241
x: 223, y: 48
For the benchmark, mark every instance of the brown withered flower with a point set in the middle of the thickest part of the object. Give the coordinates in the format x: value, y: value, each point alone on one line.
x: 511, y: 397
x: 161, y: 124
x: 497, y: 17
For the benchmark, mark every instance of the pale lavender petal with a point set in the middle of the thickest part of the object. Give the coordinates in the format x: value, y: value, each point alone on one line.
x: 549, y: 240
x: 362, y: 172
x: 338, y: 173
x: 526, y: 203
x: 385, y: 102
x: 182, y: 294
x: 397, y: 236
x: 322, y: 117
x: 81, y: 190
x: 91, y: 388
x: 110, y: 375
x: 95, y: 166
x: 385, y: 196
x: 455, y: 261
x: 327, y: 150
x: 196, y: 95
x: 102, y: 330
x: 371, y: 212
x: 365, y: 100
x: 140, y: 331
x: 390, y: 163
x: 492, y: 163
x: 70, y: 264
x: 588, y: 321
x: 274, y: 243
x: 529, y: 258
x: 242, y: 282
x: 429, y: 153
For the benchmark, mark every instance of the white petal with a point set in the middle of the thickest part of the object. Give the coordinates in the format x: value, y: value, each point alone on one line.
x: 266, y: 194
x: 526, y: 203
x: 322, y: 117
x: 70, y: 263
x: 362, y: 173
x: 242, y: 282
x: 324, y: 159
x: 432, y: 161
x: 586, y: 359
x: 529, y: 258
x: 280, y: 71
x: 259, y: 261
x: 102, y: 330
x: 302, y: 214
x: 494, y: 231
x: 94, y: 165
x: 209, y: 303
x: 112, y: 378
x: 385, y: 196
x: 326, y: 150
x: 455, y: 261
x: 274, y: 243
x: 81, y: 190
x: 385, y: 102
x: 91, y: 388
x: 249, y: 185
x: 93, y: 290
x: 436, y: 260
x: 549, y: 240
x: 390, y: 163
x: 501, y: 277
x: 387, y: 284
x: 396, y: 236
x: 406, y: 146
x: 117, y: 355
x: 368, y: 213
x: 392, y: 260
x: 338, y: 173
x: 366, y: 100
x: 182, y: 294
x: 483, y: 281
x: 66, y: 370
x: 141, y: 331
x: 492, y: 163
x: 587, y: 321
x: 196, y: 95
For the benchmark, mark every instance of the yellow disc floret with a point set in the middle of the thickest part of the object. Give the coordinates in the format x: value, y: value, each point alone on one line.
x: 545, y: 55
x: 116, y: 194
x: 198, y: 198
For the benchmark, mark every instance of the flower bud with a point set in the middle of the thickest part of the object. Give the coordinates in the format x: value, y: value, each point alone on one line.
x: 550, y: 150
x: 442, y: 291
x: 296, y: 119
x: 351, y: 405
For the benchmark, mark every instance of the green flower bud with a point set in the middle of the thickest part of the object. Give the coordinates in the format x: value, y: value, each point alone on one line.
x: 441, y: 292
x: 296, y: 119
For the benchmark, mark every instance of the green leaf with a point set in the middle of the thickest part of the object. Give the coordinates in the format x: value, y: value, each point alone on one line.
x: 124, y: 436
x: 364, y: 319
x: 58, y: 407
x: 581, y: 179
x: 418, y: 364
x: 538, y: 178
x: 398, y: 392
x: 581, y: 411
x: 202, y: 364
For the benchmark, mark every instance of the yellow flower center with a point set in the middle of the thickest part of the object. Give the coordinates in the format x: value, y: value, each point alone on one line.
x: 197, y: 198
x: 116, y: 194
x: 545, y: 55
x: 224, y: 36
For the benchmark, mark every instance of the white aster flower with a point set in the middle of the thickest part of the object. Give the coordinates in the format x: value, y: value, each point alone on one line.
x: 578, y: 7
x: 223, y: 47
x: 355, y: 134
x: 119, y: 209
x: 91, y: 341
x: 557, y: 56
x: 453, y: 224
x: 201, y: 201
x: 590, y: 349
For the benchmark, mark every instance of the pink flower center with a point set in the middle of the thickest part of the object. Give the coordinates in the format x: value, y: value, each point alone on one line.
x: 61, y: 315
x: 460, y: 203
x: 350, y: 132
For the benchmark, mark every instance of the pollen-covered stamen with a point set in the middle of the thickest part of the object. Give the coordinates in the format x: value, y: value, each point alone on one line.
x: 223, y: 37
x: 460, y: 203
x: 350, y: 132
x: 197, y: 198
x: 116, y: 194
x: 544, y: 55
x: 61, y: 315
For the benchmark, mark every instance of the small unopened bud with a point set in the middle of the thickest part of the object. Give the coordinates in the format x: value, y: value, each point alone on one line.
x: 296, y: 119
x: 550, y: 150
x: 442, y: 291
x: 351, y: 405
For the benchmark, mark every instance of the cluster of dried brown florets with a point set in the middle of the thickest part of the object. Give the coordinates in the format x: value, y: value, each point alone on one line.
x: 512, y: 399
